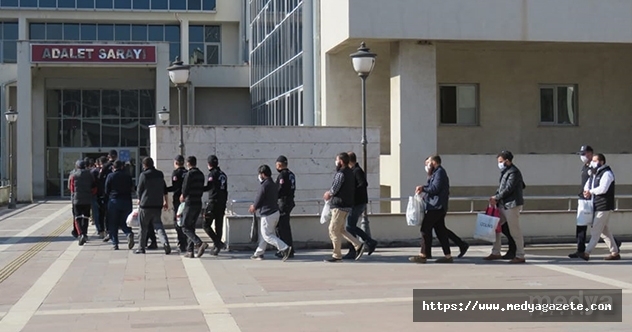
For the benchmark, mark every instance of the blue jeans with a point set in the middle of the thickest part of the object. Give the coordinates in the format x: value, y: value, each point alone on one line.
x: 118, y: 210
x: 352, y: 223
x: 95, y: 214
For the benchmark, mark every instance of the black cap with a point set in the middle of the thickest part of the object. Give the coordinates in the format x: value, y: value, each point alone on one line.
x: 119, y: 164
x: 282, y: 159
x: 179, y: 159
x: 212, y: 160
x: 584, y: 149
x: 80, y: 164
x: 113, y: 153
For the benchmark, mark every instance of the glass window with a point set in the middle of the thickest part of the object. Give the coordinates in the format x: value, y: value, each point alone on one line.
x: 196, y: 33
x: 110, y: 129
x: 53, y: 103
x: 110, y: 104
x: 177, y: 5
x: 144, y: 130
x: 558, y: 105
x: 172, y: 33
x: 109, y: 4
x: 53, y: 137
x: 139, y: 32
x: 159, y: 4
x: 212, y: 54
x: 122, y: 32
x: 208, y: 4
x: 212, y: 34
x: 9, y: 3
x: 174, y: 51
x: 194, y: 4
x: 458, y: 104
x: 91, y: 132
x: 66, y: 3
x: 122, y: 4
x: 147, y: 107
x: 85, y: 4
x: 156, y: 33
x: 91, y: 103
x: 129, y: 104
x: 129, y: 132
x: 105, y: 32
x: 71, y: 31
x: 88, y: 32
x: 54, y: 31
x: 196, y: 52
x: 10, y: 51
x: 28, y: 3
x: 47, y: 3
x: 37, y: 31
x: 141, y: 4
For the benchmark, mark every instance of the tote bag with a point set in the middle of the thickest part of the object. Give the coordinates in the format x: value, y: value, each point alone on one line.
x: 486, y: 227
x: 584, y: 212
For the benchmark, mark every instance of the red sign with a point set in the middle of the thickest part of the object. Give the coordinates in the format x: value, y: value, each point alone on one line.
x: 87, y: 53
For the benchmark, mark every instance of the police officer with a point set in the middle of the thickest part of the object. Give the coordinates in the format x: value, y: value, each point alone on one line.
x: 177, y: 176
x: 217, y: 186
x: 286, y: 181
x: 119, y: 187
x: 103, y: 174
x: 192, y: 191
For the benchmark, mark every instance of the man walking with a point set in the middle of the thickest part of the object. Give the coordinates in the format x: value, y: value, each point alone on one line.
x: 286, y: 183
x: 152, y: 196
x: 509, y: 200
x: 192, y: 191
x: 361, y: 199
x: 266, y: 203
x: 82, y: 186
x: 177, y: 177
x: 601, y: 189
x: 107, y: 169
x: 341, y: 198
x: 216, y: 207
x: 436, y: 194
x: 96, y: 200
x: 118, y: 188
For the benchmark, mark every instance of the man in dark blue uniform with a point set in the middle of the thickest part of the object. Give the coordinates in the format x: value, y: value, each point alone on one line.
x: 286, y: 181
x: 177, y: 176
x: 119, y: 186
x: 217, y: 186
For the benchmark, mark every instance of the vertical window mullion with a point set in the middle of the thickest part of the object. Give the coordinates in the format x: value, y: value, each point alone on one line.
x: 457, y: 102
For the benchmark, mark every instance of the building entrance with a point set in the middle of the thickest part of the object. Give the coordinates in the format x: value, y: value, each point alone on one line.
x: 90, y: 123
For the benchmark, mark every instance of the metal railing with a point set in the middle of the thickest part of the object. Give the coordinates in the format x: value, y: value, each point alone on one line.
x: 471, y: 199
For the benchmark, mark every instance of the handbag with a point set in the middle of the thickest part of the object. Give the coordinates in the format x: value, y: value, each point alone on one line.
x: 325, y: 216
x: 486, y: 227
x: 254, y: 229
x: 494, y: 212
x: 584, y: 212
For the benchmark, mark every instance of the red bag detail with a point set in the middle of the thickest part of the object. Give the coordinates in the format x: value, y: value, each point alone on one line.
x: 492, y: 211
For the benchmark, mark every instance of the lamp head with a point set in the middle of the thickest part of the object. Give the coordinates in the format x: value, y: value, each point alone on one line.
x: 363, y: 61
x: 163, y: 115
x: 178, y: 72
x: 11, y: 115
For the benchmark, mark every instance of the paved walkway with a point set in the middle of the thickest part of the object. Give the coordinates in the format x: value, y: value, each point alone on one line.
x: 49, y: 283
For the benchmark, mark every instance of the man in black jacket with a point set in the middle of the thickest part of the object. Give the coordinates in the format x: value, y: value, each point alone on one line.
x: 118, y: 188
x: 217, y: 186
x: 192, y: 191
x: 106, y: 169
x: 96, y: 200
x: 509, y: 199
x: 152, y: 197
x: 82, y: 186
x: 361, y: 199
x: 341, y: 198
x: 436, y: 194
x: 177, y: 177
x: 286, y: 182
x: 266, y: 203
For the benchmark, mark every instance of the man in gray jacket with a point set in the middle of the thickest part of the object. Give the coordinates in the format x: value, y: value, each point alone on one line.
x: 152, y: 197
x: 82, y: 186
x: 509, y: 200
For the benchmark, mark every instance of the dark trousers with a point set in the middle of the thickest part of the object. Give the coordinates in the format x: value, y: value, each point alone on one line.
x: 283, y: 228
x: 352, y: 223
x: 434, y: 219
x: 118, y: 210
x: 103, y: 211
x: 151, y: 218
x: 580, y: 232
x: 95, y: 214
x: 214, y: 213
x: 510, y: 239
x: 190, y: 215
x: 81, y: 224
x: 182, y: 239
x: 151, y: 233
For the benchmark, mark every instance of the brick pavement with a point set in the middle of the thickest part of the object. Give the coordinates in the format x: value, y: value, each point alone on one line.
x: 93, y: 288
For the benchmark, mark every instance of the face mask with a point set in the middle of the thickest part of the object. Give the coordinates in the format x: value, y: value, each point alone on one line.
x: 336, y: 163
x: 279, y: 170
x: 584, y: 159
x: 501, y: 166
x: 259, y: 178
x: 594, y: 164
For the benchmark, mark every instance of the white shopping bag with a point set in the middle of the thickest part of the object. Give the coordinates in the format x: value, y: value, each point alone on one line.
x: 414, y: 210
x: 584, y: 212
x: 132, y: 219
x: 486, y: 227
x: 179, y: 220
x: 325, y: 216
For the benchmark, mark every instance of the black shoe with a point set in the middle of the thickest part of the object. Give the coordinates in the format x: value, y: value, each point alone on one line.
x: 618, y: 242
x: 333, y: 260
x: 201, y: 249
x: 82, y: 240
x: 189, y: 255
x: 360, y: 251
x: 573, y: 255
x: 286, y: 253
x: 278, y: 254
x: 106, y: 238
x: 372, y: 246
x: 74, y: 233
x: 152, y: 246
x: 351, y: 255
x: 215, y: 251
x: 167, y: 248
x: 509, y: 255
x: 444, y: 260
x: 463, y: 250
x: 130, y: 241
x: 140, y: 251
x: 115, y: 247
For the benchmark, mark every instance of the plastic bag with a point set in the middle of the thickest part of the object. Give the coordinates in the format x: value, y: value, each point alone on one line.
x: 325, y: 216
x: 179, y: 219
x: 132, y: 219
x: 414, y: 210
x: 486, y: 227
x: 584, y: 212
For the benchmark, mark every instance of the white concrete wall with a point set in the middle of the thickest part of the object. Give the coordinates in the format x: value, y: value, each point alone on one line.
x: 222, y: 107
x: 241, y: 150
x: 606, y: 21
x: 224, y: 76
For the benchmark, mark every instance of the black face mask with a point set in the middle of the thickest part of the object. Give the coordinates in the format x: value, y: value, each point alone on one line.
x: 279, y: 170
x: 338, y: 168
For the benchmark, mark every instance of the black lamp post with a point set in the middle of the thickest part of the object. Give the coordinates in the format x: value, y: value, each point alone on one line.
x: 363, y: 63
x: 163, y: 115
x: 12, y: 117
x: 179, y: 76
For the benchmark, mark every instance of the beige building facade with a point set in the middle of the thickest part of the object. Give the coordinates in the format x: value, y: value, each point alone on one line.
x: 467, y: 79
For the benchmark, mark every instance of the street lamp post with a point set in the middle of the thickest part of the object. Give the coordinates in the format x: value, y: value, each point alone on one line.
x: 179, y: 76
x: 12, y: 117
x: 363, y: 63
x: 163, y: 115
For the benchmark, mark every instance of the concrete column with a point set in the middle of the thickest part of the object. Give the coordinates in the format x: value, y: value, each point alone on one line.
x: 23, y: 29
x: 162, y: 80
x: 38, y: 106
x: 24, y: 143
x: 308, y: 62
x: 184, y: 41
x: 413, y: 115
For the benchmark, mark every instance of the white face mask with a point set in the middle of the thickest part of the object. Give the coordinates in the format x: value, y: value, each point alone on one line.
x: 584, y: 159
x: 594, y: 164
x: 427, y: 169
x: 336, y: 163
x: 501, y: 166
x: 260, y: 178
